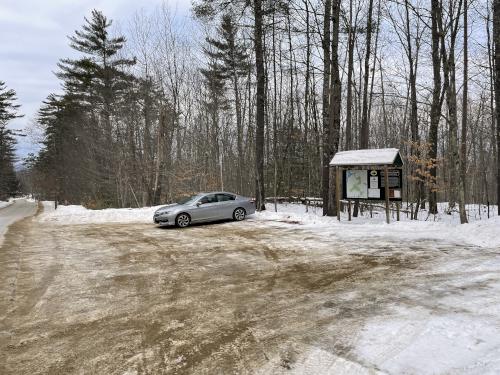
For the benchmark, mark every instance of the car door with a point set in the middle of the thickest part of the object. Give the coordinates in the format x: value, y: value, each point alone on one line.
x: 226, y: 205
x: 206, y: 208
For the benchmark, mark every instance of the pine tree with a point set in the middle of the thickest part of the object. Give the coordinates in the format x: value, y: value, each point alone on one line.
x: 233, y: 63
x: 97, y: 77
x: 8, y: 112
x: 214, y: 103
x: 98, y: 83
x: 64, y: 159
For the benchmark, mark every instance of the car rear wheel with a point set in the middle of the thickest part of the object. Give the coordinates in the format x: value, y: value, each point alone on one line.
x: 182, y: 220
x: 239, y: 214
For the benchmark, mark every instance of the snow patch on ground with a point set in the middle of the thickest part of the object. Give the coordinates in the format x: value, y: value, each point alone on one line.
x: 424, y: 343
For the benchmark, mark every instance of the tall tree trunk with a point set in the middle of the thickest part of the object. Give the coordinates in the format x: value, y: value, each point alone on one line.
x: 364, y: 128
x: 335, y: 104
x: 326, y: 105
x: 492, y: 82
x: 415, y: 139
x: 375, y: 52
x: 496, y: 42
x: 463, y: 143
x: 350, y: 70
x: 260, y: 97
x: 275, y: 119
x: 307, y: 156
x: 436, y: 104
x: 365, y: 131
x: 239, y: 130
x: 449, y: 70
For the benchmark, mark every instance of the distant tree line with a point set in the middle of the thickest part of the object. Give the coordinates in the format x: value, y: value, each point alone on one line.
x: 257, y: 96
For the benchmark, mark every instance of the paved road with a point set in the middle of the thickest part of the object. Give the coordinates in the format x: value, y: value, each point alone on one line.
x: 231, y: 298
x: 20, y: 209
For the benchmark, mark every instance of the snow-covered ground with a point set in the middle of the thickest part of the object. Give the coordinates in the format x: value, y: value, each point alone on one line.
x: 4, y: 204
x: 480, y: 231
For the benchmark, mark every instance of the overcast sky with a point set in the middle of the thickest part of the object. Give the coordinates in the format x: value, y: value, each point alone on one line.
x: 33, y: 37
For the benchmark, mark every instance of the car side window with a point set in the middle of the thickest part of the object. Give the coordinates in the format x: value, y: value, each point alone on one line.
x: 211, y: 198
x: 204, y: 199
x: 225, y: 197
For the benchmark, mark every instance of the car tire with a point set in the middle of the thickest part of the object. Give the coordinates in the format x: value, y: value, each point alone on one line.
x: 182, y: 220
x: 239, y: 214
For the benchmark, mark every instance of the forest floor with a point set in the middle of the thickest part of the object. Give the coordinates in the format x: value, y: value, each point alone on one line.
x: 83, y: 292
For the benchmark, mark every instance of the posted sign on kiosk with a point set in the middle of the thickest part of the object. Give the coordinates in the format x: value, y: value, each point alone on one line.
x: 369, y: 184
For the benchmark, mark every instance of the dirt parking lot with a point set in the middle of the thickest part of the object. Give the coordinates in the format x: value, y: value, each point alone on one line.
x: 223, y: 298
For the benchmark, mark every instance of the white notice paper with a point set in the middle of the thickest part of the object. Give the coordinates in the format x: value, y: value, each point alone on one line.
x: 374, y: 182
x: 373, y: 193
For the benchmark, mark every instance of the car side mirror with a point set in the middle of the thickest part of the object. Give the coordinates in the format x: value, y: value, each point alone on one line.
x: 198, y: 204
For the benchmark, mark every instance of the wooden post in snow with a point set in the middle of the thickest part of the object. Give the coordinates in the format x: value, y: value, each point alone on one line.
x: 337, y: 188
x: 386, y: 181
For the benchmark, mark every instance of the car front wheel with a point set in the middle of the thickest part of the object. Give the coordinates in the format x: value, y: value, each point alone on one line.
x: 239, y: 214
x: 182, y: 220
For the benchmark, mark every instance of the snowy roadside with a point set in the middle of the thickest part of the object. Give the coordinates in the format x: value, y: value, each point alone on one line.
x: 4, y: 204
x: 481, y: 233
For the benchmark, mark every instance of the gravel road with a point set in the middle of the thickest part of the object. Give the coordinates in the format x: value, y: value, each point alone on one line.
x: 226, y: 298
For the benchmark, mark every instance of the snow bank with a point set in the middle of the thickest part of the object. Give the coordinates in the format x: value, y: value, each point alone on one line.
x: 4, y: 204
x: 82, y: 215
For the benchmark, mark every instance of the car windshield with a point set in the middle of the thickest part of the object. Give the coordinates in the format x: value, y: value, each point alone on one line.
x: 188, y: 199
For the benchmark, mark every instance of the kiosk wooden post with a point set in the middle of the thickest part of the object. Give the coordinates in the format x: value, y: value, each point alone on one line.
x: 386, y: 187
x: 337, y: 187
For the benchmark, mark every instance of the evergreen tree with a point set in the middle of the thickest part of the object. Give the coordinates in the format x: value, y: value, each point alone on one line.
x: 98, y: 76
x: 64, y: 159
x: 96, y: 86
x: 214, y: 103
x: 8, y: 112
x: 233, y: 63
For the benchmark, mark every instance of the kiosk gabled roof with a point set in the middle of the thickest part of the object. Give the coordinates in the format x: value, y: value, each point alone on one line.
x: 377, y: 156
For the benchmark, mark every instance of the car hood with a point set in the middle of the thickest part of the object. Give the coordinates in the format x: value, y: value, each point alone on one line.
x: 171, y: 207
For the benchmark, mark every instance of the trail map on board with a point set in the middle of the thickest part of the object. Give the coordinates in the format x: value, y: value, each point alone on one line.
x: 357, y: 184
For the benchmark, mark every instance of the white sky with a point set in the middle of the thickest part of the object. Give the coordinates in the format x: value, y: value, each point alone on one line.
x: 33, y: 37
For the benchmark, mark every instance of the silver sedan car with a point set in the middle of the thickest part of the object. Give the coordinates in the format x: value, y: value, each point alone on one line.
x: 205, y: 207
